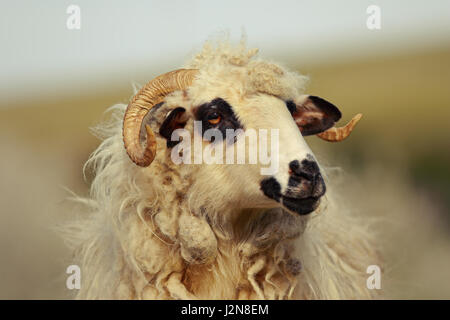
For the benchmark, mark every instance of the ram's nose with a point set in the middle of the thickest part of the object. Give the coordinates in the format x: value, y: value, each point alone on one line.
x: 304, y: 188
x: 305, y: 180
x: 307, y: 169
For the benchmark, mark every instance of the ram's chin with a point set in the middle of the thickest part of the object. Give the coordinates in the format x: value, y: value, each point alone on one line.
x: 300, y: 206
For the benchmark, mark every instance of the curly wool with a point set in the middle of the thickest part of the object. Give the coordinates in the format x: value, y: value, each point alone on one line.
x: 151, y: 233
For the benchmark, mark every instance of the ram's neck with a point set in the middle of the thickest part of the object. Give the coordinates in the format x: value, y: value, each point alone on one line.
x: 256, y: 244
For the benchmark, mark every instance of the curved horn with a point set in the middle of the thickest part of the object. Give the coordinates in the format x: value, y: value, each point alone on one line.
x: 151, y: 94
x: 338, y: 134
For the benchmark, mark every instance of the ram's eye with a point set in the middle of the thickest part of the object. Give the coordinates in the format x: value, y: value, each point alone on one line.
x: 214, y: 118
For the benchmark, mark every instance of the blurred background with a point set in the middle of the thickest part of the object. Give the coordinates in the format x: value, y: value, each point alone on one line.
x: 57, y: 82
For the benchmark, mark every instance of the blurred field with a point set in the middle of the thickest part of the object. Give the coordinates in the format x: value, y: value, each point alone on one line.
x: 398, y: 157
x: 406, y: 105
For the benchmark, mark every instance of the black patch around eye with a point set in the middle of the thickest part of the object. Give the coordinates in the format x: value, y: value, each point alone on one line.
x: 213, y: 116
x: 292, y: 107
x: 214, y: 109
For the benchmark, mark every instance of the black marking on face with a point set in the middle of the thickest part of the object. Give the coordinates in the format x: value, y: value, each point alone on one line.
x: 302, y: 188
x: 305, y: 186
x: 301, y: 206
x: 307, y: 169
x: 217, y: 114
x: 271, y: 188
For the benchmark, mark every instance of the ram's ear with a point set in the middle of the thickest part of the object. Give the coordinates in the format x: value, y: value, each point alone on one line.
x: 314, y: 115
x: 176, y: 119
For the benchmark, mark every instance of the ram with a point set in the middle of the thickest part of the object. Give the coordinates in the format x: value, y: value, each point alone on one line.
x: 155, y: 228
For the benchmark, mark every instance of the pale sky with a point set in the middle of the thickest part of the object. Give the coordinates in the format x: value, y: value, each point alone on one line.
x: 123, y: 41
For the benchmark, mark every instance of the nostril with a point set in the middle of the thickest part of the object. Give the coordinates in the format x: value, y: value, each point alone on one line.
x: 310, y: 167
x: 294, y: 166
x: 306, y: 169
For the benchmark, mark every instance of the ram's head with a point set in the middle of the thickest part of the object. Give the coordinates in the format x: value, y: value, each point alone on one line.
x: 261, y: 105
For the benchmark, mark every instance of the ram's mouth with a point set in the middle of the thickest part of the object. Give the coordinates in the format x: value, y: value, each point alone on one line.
x: 292, y: 200
x: 301, y: 206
